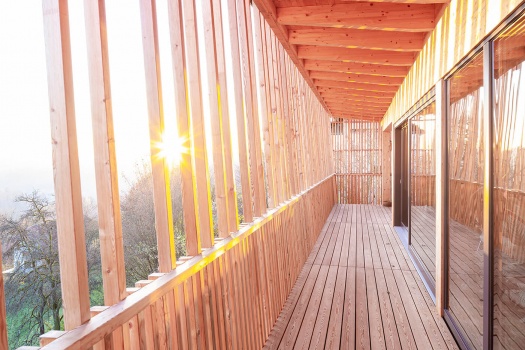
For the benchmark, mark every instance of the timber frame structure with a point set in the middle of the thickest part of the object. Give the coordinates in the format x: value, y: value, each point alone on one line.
x: 340, y: 106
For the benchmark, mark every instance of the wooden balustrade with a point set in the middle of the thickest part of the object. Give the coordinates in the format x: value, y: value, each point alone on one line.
x: 226, y: 298
x: 229, y: 296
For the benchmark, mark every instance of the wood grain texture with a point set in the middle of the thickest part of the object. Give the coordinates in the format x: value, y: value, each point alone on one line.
x: 66, y: 170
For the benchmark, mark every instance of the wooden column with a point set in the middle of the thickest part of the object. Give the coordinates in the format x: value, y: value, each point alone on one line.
x: 222, y: 91
x: 3, y: 315
x: 260, y: 42
x: 441, y: 195
x: 198, y: 136
x: 386, y: 165
x: 216, y: 117
x: 108, y: 200
x: 250, y: 103
x: 159, y: 164
x: 188, y: 185
x: 68, y: 196
x: 246, y: 183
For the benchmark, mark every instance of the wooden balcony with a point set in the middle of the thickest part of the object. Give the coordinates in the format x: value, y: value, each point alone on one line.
x: 359, y: 290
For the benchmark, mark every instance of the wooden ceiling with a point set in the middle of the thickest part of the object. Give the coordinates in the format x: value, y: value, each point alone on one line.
x: 354, y: 53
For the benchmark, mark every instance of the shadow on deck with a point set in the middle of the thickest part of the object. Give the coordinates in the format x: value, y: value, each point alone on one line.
x: 359, y: 290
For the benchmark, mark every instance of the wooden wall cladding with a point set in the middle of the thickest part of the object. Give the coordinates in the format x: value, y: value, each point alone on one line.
x: 285, y: 165
x: 463, y: 25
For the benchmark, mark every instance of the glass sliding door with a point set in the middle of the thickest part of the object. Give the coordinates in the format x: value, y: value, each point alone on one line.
x: 422, y: 188
x: 465, y: 186
x: 509, y: 189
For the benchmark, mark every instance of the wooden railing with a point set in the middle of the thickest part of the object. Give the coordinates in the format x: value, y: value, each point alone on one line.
x: 230, y: 295
x: 226, y: 298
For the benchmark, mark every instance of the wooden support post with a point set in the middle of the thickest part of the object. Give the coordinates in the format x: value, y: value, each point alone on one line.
x: 222, y: 90
x: 3, y: 315
x: 386, y: 177
x: 247, y: 197
x: 159, y: 164
x: 441, y: 195
x: 68, y: 196
x: 265, y: 104
x: 108, y: 200
x: 187, y: 170
x: 214, y: 100
x: 250, y: 104
x: 194, y: 91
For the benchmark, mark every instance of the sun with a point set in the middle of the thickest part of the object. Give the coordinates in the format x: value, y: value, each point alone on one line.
x: 171, y: 148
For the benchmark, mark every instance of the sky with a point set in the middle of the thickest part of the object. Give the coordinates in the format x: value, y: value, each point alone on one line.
x: 25, y: 147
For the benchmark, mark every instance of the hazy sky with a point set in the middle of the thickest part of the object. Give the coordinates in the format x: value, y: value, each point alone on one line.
x: 25, y: 149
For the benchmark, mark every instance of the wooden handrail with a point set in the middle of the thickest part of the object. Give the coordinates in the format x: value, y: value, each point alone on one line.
x: 106, y: 322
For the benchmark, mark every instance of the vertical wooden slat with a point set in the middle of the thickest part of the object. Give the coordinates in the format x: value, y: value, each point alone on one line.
x: 222, y: 90
x: 68, y: 197
x: 265, y: 104
x: 3, y: 318
x: 216, y: 119
x: 187, y: 169
x: 109, y: 218
x: 247, y: 197
x: 253, y: 135
x: 198, y: 136
x: 159, y: 164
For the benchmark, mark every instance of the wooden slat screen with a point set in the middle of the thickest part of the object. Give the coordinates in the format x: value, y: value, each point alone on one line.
x: 357, y: 147
x: 228, y: 291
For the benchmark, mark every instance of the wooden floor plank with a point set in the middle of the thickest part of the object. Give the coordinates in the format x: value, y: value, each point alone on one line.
x: 307, y: 327
x: 359, y: 290
x: 333, y: 337
x: 323, y: 315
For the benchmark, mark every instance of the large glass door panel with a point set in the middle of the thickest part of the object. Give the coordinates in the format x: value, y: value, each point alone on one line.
x: 465, y: 183
x: 422, y: 187
x: 509, y: 189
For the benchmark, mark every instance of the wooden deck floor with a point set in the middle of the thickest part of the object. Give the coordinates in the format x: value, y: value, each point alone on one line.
x: 359, y: 290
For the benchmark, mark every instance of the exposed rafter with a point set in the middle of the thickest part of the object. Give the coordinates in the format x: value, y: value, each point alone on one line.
x: 356, y: 78
x: 387, y: 89
x: 400, y: 17
x: 356, y: 38
x: 356, y: 68
x: 383, y: 57
x: 355, y: 93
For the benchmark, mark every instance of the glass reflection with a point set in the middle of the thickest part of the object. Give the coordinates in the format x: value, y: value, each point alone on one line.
x: 422, y: 187
x: 465, y: 299
x: 509, y: 189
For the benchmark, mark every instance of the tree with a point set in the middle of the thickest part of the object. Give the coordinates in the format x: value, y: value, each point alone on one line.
x: 33, y: 294
x: 138, y: 224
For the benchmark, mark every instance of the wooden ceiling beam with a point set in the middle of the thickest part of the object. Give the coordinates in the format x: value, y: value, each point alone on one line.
x: 361, y: 112
x: 269, y: 12
x: 357, y: 116
x: 356, y: 78
x: 387, y: 89
x: 380, y: 96
x: 390, y: 58
x: 387, y: 16
x: 357, y: 38
x: 355, y: 103
x: 354, y: 117
x: 363, y: 100
x: 348, y: 110
x: 355, y: 68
